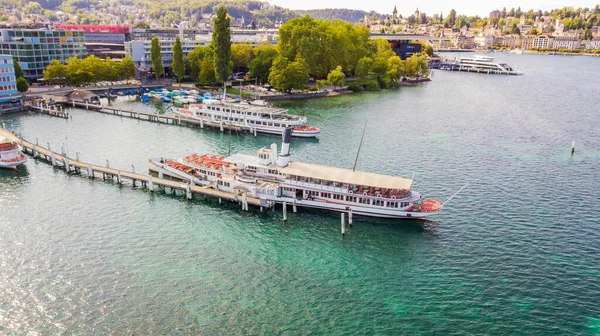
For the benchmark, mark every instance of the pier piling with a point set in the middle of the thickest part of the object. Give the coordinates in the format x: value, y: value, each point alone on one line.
x: 188, y: 192
x: 90, y: 171
x: 350, y: 218
x: 53, y: 158
x: 150, y: 184
x: 343, y: 221
x: 294, y: 207
x: 573, y: 148
x: 284, y: 211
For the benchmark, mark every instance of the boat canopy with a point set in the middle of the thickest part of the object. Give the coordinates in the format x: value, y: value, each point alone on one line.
x: 4, y: 140
x: 346, y: 176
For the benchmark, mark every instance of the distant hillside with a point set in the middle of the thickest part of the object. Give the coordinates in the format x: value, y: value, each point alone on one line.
x: 350, y: 15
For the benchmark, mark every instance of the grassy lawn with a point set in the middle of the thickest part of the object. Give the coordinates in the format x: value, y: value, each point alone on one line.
x: 237, y: 92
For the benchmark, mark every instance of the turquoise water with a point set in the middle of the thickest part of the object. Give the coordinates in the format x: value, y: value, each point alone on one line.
x: 516, y: 253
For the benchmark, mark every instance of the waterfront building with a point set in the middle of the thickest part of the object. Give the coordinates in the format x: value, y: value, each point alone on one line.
x: 527, y: 42
x: 139, y: 51
x: 543, y: 42
x: 512, y: 41
x: 565, y: 42
x: 484, y: 41
x: 8, y: 80
x: 36, y: 48
x: 204, y: 35
x: 593, y: 44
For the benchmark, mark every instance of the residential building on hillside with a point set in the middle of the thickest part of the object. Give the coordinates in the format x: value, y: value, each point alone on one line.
x: 494, y: 14
x: 36, y: 48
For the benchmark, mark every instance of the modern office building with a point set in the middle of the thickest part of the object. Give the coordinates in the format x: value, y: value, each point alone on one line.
x: 36, y: 48
x: 8, y: 81
x: 112, y: 34
x: 139, y: 51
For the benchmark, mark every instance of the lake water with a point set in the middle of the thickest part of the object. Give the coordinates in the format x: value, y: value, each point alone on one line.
x: 518, y: 252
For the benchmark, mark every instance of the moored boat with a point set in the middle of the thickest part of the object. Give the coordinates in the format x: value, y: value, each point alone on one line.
x: 11, y: 155
x: 274, y: 178
x: 479, y: 64
x: 253, y: 118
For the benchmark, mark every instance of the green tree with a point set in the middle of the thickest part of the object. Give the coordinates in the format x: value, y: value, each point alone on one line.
x: 324, y: 44
x: 127, y: 68
x: 588, y: 34
x: 379, y: 68
x: 78, y: 73
x: 18, y: 69
x: 22, y: 85
x: 207, y: 74
x: 395, y: 68
x: 50, y: 15
x: 320, y: 84
x: 193, y: 60
x: 157, y: 66
x: 428, y: 50
x: 336, y: 77
x: 260, y: 66
x: 241, y: 55
x: 363, y: 67
x: 177, y: 65
x: 286, y: 75
x: 55, y: 72
x: 221, y: 40
x: 141, y: 24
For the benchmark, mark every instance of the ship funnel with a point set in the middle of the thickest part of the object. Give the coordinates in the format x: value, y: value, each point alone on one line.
x: 284, y: 156
x: 273, y: 155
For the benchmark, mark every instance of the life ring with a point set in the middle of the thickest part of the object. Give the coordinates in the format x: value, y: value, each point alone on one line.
x: 350, y: 192
x: 365, y: 193
x: 393, y: 197
x: 379, y: 196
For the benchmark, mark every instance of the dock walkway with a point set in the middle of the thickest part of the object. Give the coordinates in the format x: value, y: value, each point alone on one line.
x: 165, y: 119
x: 148, y: 181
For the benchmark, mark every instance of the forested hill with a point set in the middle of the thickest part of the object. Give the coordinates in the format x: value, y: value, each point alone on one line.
x: 350, y: 15
x: 171, y: 12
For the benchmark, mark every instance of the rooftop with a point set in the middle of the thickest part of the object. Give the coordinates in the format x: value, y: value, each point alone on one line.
x: 346, y: 176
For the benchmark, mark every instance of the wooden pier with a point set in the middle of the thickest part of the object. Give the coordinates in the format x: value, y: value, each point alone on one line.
x: 170, y: 120
x: 76, y: 166
x: 52, y: 110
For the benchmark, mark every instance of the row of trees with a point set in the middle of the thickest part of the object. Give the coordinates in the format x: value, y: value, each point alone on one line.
x: 78, y: 72
x: 325, y: 50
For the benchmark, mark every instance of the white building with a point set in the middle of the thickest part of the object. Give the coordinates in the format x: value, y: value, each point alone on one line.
x: 543, y: 42
x: 593, y: 44
x: 484, y: 41
x: 139, y: 51
x: 565, y: 42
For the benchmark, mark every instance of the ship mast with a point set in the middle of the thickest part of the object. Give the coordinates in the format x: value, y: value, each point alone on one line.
x: 360, y: 145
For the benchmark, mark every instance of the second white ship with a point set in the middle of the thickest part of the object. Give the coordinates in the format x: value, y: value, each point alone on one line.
x: 250, y: 117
